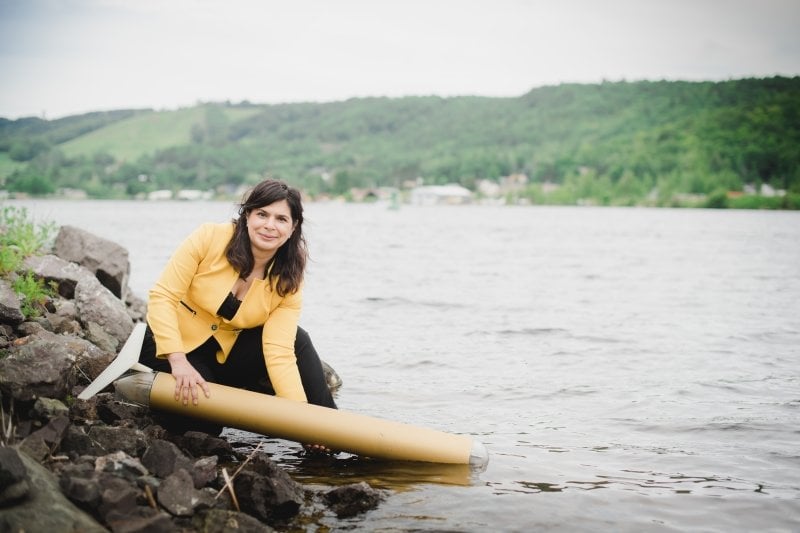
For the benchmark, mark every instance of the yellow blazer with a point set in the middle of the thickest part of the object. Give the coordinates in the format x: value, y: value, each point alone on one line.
x: 183, y: 304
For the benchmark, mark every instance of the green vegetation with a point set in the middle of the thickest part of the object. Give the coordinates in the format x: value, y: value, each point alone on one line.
x: 705, y: 144
x: 34, y: 293
x: 21, y: 237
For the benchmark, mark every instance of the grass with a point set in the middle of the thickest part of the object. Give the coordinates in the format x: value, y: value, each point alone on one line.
x: 21, y: 237
x: 19, y: 231
x: 146, y: 133
x: 34, y: 293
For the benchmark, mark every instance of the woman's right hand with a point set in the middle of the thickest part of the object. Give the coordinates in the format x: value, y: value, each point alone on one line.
x: 187, y: 379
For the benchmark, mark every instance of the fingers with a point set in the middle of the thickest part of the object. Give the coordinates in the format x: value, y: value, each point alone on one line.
x: 188, y: 387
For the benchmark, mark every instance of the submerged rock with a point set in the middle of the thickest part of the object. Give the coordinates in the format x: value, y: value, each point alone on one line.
x: 353, y: 499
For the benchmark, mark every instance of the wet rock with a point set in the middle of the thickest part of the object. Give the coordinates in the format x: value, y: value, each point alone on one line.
x: 332, y: 379
x: 353, y: 499
x: 266, y: 491
x: 222, y: 521
x: 46, y: 508
x: 14, y: 484
x: 163, y: 458
x: 10, y: 305
x: 204, y: 471
x: 107, y: 260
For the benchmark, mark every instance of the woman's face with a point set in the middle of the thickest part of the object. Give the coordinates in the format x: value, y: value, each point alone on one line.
x: 269, y: 227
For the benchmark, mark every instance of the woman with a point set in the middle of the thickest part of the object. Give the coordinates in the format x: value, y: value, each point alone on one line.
x: 226, y: 307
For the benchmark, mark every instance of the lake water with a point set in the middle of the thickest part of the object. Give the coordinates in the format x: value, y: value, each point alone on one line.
x: 627, y: 369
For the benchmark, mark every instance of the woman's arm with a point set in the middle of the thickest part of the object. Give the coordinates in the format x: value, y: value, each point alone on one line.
x: 162, y: 309
x: 171, y: 287
x: 278, y: 339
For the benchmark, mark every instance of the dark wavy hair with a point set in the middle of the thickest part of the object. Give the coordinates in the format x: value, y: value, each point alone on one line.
x: 289, y: 262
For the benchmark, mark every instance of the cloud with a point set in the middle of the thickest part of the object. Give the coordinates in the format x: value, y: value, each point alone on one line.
x: 67, y: 56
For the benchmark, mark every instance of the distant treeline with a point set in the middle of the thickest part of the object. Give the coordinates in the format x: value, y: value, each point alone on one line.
x: 614, y: 143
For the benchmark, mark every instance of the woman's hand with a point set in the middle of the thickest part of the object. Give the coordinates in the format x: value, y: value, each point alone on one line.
x: 187, y: 379
x: 318, y: 449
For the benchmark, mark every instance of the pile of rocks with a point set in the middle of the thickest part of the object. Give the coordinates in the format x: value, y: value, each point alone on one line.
x: 101, y: 464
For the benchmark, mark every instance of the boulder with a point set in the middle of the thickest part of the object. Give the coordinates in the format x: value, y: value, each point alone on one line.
x: 107, y: 260
x: 163, y: 458
x: 105, y: 320
x: 103, y: 316
x: 266, y: 491
x: 45, y: 508
x: 42, y: 366
x: 14, y: 485
x: 10, y: 305
x: 45, y: 364
x: 350, y: 500
x: 178, y: 496
x: 58, y: 272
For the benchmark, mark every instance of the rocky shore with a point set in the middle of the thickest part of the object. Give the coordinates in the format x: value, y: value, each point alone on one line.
x: 106, y: 465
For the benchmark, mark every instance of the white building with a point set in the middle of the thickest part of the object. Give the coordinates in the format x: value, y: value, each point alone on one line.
x: 450, y: 194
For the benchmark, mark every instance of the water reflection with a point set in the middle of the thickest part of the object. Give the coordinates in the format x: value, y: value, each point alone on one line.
x: 346, y: 468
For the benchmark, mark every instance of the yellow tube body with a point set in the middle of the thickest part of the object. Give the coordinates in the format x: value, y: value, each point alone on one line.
x: 335, y: 428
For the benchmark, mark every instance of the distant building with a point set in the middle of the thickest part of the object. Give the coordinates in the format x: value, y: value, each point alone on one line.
x: 193, y: 194
x: 161, y: 194
x: 450, y: 194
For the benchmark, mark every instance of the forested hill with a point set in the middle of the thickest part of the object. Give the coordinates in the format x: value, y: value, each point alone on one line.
x: 610, y: 143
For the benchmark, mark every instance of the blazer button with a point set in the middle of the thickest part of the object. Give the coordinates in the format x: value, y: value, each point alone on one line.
x: 213, y: 327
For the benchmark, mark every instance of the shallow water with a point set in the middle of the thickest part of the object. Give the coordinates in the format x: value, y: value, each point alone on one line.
x: 628, y: 369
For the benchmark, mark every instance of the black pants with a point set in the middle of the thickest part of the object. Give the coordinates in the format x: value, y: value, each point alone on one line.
x: 244, y: 368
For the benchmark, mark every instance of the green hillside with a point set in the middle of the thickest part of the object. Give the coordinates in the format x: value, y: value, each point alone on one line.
x: 146, y: 133
x: 649, y: 143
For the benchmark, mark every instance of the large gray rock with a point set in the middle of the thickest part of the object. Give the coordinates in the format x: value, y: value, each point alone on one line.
x: 163, y: 458
x: 45, y: 508
x: 45, y: 365
x: 104, y: 317
x: 355, y: 498
x: 64, y: 274
x: 10, y: 308
x: 40, y: 367
x: 105, y: 320
x: 266, y: 491
x: 14, y: 485
x: 107, y: 260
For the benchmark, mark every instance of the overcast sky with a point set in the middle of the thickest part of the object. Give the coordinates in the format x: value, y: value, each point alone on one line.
x: 62, y: 57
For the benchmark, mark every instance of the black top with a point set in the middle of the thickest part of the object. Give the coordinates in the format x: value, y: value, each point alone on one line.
x: 229, y: 307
